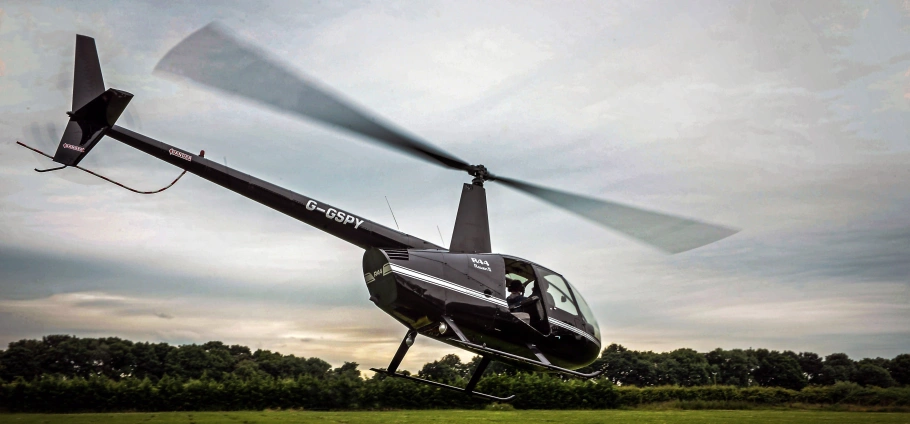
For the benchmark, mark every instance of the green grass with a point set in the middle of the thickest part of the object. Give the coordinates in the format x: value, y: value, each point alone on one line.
x: 461, y: 416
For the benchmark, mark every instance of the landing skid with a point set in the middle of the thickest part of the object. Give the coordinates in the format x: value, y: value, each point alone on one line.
x: 493, y: 352
x: 469, y: 389
x: 541, y: 362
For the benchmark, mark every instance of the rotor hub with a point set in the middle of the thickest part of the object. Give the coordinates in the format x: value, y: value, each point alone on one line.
x: 480, y: 174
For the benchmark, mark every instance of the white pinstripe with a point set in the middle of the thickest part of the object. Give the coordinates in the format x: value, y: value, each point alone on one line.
x: 398, y: 269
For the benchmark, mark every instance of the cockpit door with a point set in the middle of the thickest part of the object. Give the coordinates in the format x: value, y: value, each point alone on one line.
x: 533, y: 314
x: 561, y: 308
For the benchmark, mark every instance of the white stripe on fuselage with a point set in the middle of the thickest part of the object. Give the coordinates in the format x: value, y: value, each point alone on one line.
x: 573, y: 329
x: 398, y: 269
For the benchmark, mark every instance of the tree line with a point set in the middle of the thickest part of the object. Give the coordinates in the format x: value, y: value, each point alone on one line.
x: 748, y: 367
x: 68, y: 374
x: 116, y: 359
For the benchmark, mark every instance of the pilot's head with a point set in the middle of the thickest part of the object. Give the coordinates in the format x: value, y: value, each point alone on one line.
x: 515, y: 286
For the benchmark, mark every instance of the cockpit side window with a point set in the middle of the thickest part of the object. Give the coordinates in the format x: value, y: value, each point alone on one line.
x: 561, y: 295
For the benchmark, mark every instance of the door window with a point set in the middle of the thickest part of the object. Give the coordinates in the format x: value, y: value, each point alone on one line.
x: 559, y: 294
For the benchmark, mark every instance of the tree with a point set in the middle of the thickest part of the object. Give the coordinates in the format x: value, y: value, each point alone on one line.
x: 687, y: 367
x: 899, y: 367
x: 21, y: 360
x: 812, y: 366
x: 872, y: 375
x: 446, y: 370
x: 628, y: 367
x: 732, y: 367
x: 837, y: 367
x: 349, y: 369
x: 776, y: 369
x: 150, y: 359
x: 240, y: 353
x: 494, y: 367
x: 121, y: 362
x: 193, y: 360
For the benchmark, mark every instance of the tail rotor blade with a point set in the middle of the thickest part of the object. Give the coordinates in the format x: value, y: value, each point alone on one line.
x: 214, y: 58
x: 669, y: 233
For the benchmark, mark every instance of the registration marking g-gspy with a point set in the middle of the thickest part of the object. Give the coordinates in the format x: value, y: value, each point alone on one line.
x: 334, y: 214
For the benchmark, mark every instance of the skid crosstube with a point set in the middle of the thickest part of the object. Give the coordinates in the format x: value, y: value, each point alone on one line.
x: 469, y: 389
x: 445, y: 386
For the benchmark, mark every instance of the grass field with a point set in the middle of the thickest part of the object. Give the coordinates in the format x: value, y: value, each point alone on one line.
x: 459, y: 416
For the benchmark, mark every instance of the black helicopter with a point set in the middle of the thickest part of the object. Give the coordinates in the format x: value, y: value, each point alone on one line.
x: 457, y: 295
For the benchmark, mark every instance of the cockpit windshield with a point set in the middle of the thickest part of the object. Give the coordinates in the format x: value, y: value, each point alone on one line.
x: 586, y: 312
x: 566, y: 298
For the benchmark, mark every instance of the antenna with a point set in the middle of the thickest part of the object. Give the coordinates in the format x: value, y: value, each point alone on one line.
x: 393, y: 213
x: 440, y: 236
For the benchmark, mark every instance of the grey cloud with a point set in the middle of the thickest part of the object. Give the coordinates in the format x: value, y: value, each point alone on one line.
x: 28, y: 274
x: 785, y: 119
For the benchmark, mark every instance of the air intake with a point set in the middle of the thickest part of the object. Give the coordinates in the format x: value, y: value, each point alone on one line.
x: 398, y: 254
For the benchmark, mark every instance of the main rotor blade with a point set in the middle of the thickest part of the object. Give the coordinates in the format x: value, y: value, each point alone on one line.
x: 669, y: 233
x: 213, y: 57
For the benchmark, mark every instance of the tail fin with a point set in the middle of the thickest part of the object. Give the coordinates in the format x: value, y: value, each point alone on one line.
x: 94, y: 109
x: 87, y: 80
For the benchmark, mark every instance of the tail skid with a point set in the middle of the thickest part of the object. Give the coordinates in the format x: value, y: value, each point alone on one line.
x: 102, y: 176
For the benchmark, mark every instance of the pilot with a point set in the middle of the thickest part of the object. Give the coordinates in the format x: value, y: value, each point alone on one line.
x: 516, y: 293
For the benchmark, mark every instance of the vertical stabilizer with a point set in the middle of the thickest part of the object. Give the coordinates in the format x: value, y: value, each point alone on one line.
x: 87, y: 81
x: 472, y: 225
x: 94, y: 110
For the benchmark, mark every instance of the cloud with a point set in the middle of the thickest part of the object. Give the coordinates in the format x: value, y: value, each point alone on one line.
x: 787, y: 120
x: 335, y: 334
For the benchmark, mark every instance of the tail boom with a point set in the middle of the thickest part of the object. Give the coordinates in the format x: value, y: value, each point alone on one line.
x: 337, y: 222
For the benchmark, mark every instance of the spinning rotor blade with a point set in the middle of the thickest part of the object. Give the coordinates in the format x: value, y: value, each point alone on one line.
x: 669, y: 233
x: 213, y: 57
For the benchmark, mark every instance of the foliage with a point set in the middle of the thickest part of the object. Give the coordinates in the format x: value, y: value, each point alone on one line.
x: 659, y: 414
x: 69, y: 374
x: 346, y: 392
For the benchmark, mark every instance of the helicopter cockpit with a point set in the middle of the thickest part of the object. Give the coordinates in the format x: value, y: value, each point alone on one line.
x: 548, y: 295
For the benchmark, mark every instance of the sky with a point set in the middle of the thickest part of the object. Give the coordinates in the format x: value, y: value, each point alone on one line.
x: 788, y: 120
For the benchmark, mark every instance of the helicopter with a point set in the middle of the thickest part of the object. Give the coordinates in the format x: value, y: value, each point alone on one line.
x: 458, y: 294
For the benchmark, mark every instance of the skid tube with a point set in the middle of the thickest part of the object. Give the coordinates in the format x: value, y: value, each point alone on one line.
x: 488, y: 351
x: 469, y: 389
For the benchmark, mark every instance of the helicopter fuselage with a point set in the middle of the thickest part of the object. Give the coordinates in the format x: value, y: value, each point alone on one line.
x: 424, y: 288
